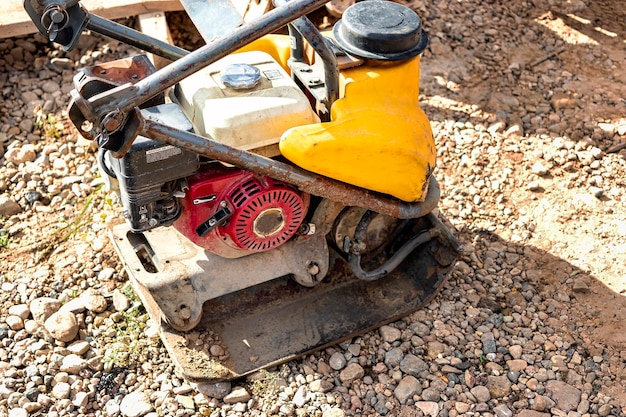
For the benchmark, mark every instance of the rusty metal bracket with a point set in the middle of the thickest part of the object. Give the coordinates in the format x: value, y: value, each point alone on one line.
x: 61, y: 21
x: 306, y: 181
x: 180, y: 276
x: 98, y: 79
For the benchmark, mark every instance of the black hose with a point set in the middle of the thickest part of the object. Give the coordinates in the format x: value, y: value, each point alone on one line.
x: 102, y: 160
x: 354, y: 258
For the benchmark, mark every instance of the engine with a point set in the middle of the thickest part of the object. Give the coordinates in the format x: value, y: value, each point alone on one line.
x: 227, y: 211
x: 232, y: 212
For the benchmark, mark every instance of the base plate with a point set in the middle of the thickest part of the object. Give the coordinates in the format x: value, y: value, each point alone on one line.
x: 279, y: 320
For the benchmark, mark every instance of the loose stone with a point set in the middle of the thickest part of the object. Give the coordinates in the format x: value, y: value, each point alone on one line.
x: 93, y: 301
x: 44, y: 307
x: 351, y: 373
x: 407, y: 387
x: 333, y: 412
x: 120, y: 301
x: 389, y: 334
x: 20, y: 310
x: 73, y: 364
x: 62, y: 326
x: 18, y: 412
x: 337, y: 361
x: 61, y: 390
x: 15, y: 322
x: 530, y: 413
x: 481, y: 393
x: 517, y: 364
x: 185, y: 401
x: 135, y: 404
x: 238, y: 394
x: 502, y: 410
x: 412, y: 365
x: 215, y: 390
x: 429, y: 408
x: 321, y: 386
x: 79, y: 347
x: 566, y: 397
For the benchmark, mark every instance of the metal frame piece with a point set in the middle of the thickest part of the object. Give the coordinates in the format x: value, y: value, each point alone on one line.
x: 181, y: 277
x: 307, y: 181
x: 279, y: 320
x: 112, y: 111
x: 303, y: 27
x: 135, y: 38
x: 61, y: 21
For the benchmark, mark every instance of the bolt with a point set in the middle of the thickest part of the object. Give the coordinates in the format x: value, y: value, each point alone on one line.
x: 313, y: 268
x: 57, y: 16
x: 184, y: 312
x: 304, y: 229
x: 112, y: 121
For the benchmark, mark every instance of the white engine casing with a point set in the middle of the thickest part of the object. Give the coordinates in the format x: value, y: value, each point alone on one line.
x: 252, y: 119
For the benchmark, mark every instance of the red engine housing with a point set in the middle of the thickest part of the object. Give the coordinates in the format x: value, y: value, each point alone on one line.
x: 262, y: 213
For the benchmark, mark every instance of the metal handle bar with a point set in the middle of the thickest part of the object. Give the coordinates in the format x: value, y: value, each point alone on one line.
x: 125, y: 98
x: 304, y: 28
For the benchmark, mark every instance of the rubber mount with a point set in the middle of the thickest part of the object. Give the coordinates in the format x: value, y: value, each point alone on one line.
x: 380, y: 30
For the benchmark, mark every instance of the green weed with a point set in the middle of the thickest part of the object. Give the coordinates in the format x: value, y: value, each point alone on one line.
x: 4, y: 238
x: 48, y: 125
x: 64, y: 233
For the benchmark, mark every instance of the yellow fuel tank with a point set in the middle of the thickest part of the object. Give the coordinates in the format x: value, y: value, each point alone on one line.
x: 378, y: 137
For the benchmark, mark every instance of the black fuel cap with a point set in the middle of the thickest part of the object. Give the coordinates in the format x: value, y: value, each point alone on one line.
x: 381, y: 30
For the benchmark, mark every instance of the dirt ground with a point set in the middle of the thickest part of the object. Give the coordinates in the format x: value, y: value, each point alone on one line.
x: 569, y: 57
x: 512, y: 94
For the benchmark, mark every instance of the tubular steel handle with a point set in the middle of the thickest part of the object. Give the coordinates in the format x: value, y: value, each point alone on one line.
x: 109, y: 111
x: 62, y: 22
x: 304, y: 28
x: 306, y: 181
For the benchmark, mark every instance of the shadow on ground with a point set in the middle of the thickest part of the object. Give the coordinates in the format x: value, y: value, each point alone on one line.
x: 578, y: 313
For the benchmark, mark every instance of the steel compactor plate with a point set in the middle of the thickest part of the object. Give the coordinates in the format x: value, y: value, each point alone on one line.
x: 276, y: 320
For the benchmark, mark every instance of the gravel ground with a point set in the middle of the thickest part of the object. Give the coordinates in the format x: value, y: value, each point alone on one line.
x: 527, y: 103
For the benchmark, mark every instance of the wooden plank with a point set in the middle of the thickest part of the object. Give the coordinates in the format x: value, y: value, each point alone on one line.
x: 251, y: 9
x: 155, y: 25
x: 214, y: 18
x: 15, y: 21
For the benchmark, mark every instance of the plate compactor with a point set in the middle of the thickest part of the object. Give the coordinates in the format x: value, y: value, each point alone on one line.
x: 277, y: 189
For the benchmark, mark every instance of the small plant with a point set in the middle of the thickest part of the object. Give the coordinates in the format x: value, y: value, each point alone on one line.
x: 482, y: 359
x: 130, y: 346
x: 265, y: 383
x: 128, y: 291
x: 4, y: 238
x: 48, y: 124
x: 64, y: 233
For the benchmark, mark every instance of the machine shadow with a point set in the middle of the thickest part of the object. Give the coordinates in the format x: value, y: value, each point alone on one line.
x: 577, y: 311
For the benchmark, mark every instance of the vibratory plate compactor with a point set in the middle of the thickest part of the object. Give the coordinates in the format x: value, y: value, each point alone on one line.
x: 277, y: 189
